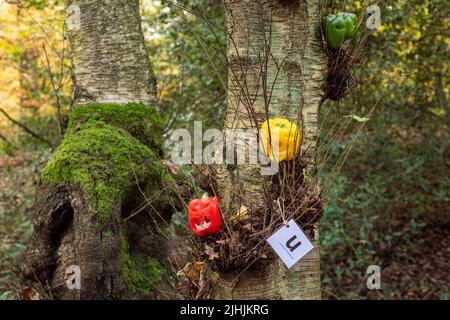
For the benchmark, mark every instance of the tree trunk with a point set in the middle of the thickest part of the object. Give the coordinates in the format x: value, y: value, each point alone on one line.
x: 110, y: 62
x: 109, y: 157
x: 276, y: 64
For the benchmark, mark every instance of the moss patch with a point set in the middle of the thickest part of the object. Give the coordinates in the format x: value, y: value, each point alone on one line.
x: 142, y: 273
x: 107, y: 149
x: 141, y: 121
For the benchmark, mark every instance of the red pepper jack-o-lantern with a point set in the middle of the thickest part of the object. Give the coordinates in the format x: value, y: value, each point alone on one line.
x: 204, y: 216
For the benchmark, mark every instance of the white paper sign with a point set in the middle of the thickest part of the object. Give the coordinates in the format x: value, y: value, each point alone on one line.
x: 290, y: 243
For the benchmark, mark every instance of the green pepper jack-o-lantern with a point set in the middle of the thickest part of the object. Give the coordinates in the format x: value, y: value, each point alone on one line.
x: 339, y: 28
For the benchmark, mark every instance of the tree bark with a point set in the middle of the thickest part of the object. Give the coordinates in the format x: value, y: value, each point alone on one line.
x: 276, y: 63
x: 110, y: 65
x: 110, y: 62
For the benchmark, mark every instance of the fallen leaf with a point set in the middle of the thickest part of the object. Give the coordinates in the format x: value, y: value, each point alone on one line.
x: 185, y: 288
x: 173, y: 168
x: 26, y: 293
x: 204, y: 287
x: 211, y: 253
x: 192, y: 270
x: 240, y: 215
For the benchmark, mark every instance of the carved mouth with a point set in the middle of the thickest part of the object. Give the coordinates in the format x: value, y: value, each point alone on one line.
x: 203, y: 226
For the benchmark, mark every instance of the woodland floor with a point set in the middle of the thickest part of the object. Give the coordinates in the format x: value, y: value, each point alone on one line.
x: 425, y: 275
x: 422, y: 274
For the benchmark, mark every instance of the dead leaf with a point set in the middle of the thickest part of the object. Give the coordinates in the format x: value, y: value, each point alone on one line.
x: 27, y: 293
x: 173, y: 168
x: 204, y: 287
x: 240, y: 215
x: 192, y: 270
x: 185, y: 289
x: 211, y: 253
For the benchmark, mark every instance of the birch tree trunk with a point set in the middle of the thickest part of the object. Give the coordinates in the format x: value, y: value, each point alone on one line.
x: 110, y: 153
x: 276, y: 60
x: 110, y: 62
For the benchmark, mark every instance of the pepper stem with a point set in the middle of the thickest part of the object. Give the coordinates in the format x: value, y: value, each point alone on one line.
x: 205, y: 195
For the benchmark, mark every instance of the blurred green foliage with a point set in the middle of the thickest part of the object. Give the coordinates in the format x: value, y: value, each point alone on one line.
x: 396, y: 181
x: 19, y: 172
x: 187, y: 46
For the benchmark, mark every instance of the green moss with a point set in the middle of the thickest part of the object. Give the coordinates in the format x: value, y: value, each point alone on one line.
x: 107, y: 149
x: 154, y: 268
x: 142, y: 273
x: 141, y: 121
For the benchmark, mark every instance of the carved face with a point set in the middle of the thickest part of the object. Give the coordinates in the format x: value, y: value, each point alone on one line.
x: 204, y: 216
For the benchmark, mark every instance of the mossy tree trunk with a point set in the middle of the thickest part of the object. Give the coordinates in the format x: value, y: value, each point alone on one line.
x: 108, y: 160
x: 276, y: 63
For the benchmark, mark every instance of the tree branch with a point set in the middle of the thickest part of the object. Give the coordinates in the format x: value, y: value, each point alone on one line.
x: 25, y: 128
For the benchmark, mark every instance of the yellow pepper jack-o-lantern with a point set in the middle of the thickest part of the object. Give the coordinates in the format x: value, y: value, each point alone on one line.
x: 283, y: 141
